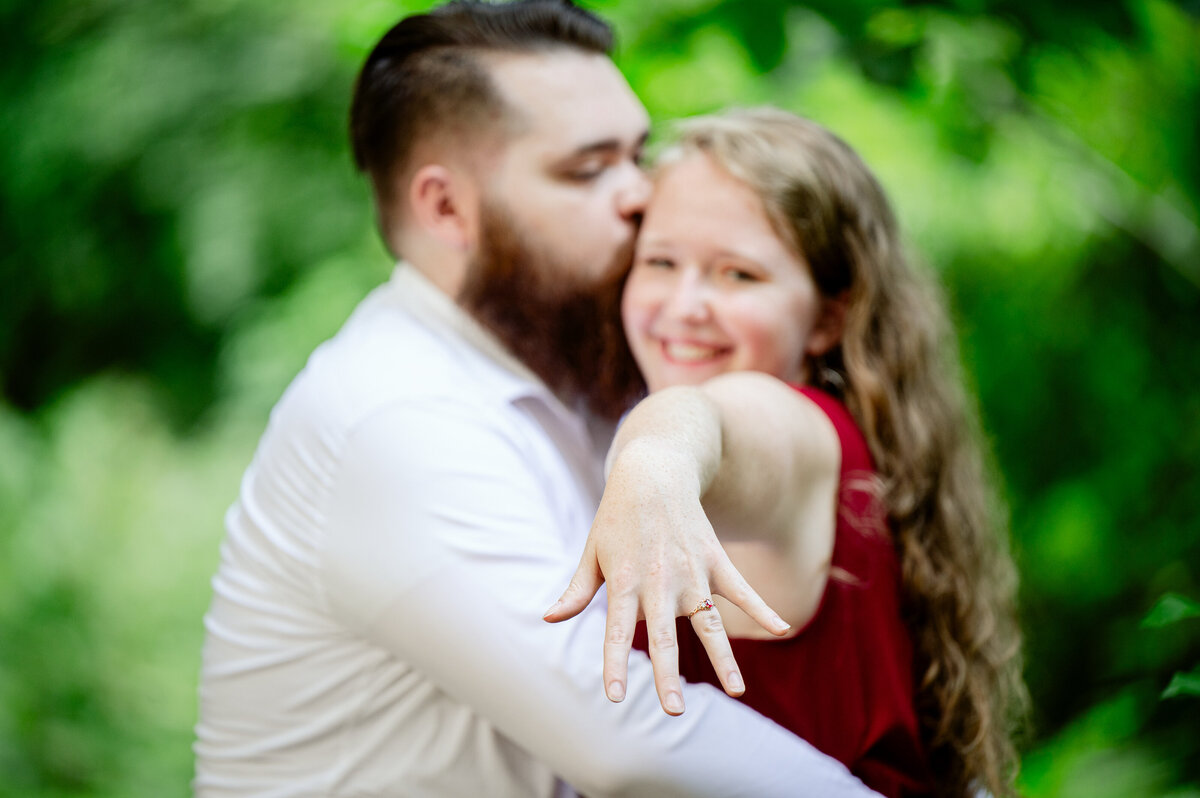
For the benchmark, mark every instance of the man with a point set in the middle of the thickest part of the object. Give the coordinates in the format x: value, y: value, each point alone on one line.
x: 425, y: 485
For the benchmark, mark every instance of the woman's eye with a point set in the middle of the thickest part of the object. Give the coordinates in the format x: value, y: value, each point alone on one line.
x: 659, y: 262
x: 741, y: 276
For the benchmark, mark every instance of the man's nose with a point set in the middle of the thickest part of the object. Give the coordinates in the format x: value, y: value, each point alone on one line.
x: 634, y: 194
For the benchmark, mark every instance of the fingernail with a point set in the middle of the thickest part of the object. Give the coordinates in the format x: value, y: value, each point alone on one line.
x: 735, y: 682
x: 674, y: 703
x: 553, y: 607
x: 781, y: 624
x: 616, y: 692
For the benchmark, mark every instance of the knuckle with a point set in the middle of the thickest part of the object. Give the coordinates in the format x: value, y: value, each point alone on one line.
x: 623, y: 574
x: 710, y: 623
x: 618, y: 637
x: 621, y: 592
x: 663, y: 640
x: 656, y: 571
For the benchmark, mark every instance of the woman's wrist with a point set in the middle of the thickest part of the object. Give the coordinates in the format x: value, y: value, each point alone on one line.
x: 657, y: 464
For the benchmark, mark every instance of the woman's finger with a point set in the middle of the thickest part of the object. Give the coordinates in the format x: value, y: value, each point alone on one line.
x: 618, y: 640
x: 706, y: 623
x: 582, y: 589
x: 728, y: 582
x: 664, y: 657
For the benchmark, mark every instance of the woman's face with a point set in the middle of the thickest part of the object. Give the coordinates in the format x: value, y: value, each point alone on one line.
x: 713, y: 288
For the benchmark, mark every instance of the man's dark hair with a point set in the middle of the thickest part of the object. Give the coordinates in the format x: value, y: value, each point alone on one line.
x: 425, y: 77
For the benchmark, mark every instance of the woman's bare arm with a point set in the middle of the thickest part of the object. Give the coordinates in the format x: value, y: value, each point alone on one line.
x: 743, y: 460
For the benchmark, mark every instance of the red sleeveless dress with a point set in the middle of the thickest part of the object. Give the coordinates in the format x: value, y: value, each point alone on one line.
x: 845, y: 682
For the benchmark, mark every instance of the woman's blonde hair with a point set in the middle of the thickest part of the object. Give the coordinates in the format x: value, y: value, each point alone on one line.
x: 896, y: 367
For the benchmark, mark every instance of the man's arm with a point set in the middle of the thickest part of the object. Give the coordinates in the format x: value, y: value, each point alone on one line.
x: 742, y: 465
x: 443, y: 551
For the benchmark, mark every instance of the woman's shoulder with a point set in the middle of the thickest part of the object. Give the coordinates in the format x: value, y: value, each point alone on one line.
x: 856, y: 455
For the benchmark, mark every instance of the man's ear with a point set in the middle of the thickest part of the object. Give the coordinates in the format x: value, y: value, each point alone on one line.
x: 831, y: 323
x: 445, y: 205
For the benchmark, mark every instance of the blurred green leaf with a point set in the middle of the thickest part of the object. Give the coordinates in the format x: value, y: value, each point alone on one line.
x: 1170, y: 609
x: 1184, y: 684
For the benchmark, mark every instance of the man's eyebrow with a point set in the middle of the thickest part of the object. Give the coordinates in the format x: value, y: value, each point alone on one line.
x: 607, y: 146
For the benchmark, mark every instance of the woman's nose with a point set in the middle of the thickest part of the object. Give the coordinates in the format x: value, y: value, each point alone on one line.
x: 689, y: 299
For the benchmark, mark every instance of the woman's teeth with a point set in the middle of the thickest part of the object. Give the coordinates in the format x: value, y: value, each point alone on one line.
x: 690, y: 353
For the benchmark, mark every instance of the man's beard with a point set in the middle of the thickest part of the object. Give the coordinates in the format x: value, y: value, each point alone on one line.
x: 565, y: 327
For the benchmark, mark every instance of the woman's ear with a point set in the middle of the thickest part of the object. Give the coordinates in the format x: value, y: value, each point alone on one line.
x: 444, y: 205
x: 830, y: 324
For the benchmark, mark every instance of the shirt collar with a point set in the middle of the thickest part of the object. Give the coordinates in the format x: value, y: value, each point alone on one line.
x: 513, y: 380
x: 428, y: 303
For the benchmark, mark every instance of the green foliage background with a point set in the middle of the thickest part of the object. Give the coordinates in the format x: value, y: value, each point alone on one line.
x: 181, y: 225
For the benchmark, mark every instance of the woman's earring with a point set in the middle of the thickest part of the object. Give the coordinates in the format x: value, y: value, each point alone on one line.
x: 828, y: 378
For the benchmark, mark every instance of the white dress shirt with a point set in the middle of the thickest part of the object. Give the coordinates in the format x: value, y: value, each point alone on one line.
x: 417, y: 500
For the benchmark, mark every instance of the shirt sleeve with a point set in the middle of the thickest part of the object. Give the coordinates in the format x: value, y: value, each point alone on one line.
x: 443, y: 550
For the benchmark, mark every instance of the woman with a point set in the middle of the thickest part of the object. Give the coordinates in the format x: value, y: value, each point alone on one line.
x: 769, y: 247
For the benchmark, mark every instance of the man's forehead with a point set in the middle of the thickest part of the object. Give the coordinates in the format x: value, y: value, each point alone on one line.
x: 571, y: 100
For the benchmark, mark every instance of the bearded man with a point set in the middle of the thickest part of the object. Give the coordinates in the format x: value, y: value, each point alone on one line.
x: 425, y: 485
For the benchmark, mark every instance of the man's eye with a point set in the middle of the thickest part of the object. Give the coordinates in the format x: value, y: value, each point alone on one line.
x: 585, y: 172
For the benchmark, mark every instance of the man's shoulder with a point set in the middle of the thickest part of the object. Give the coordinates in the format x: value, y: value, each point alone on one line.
x: 384, y: 357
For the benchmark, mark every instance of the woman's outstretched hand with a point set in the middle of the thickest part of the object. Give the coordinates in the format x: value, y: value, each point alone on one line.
x: 654, y: 546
